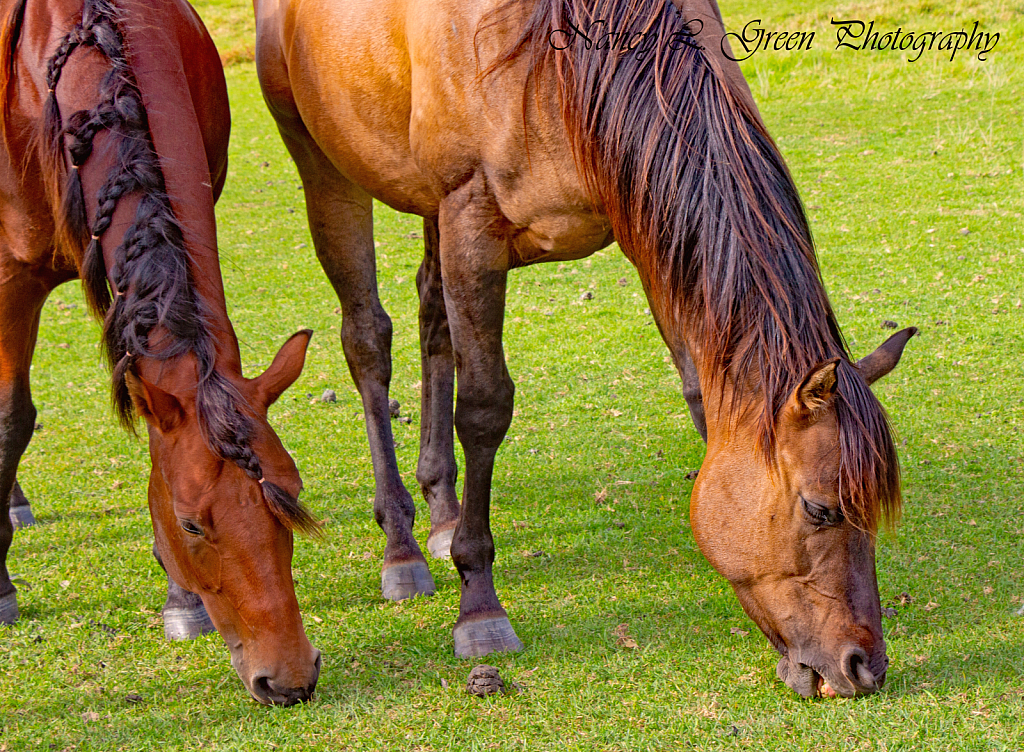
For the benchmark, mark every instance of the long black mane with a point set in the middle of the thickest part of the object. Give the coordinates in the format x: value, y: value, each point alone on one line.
x: 701, y: 201
x: 148, y: 298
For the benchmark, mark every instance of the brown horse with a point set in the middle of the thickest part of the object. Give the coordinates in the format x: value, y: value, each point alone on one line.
x: 541, y: 131
x: 115, y: 128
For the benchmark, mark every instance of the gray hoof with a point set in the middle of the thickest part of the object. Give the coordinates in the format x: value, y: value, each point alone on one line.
x: 406, y: 579
x: 186, y: 623
x: 483, y: 636
x: 9, y: 609
x: 22, y: 516
x: 440, y: 544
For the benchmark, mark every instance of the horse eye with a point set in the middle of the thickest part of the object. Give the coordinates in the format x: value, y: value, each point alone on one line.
x: 192, y: 528
x: 821, y: 515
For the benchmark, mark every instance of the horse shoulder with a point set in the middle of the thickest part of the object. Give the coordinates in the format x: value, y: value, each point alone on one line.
x: 464, y: 123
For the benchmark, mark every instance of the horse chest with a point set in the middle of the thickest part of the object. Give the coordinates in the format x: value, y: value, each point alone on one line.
x: 560, y: 237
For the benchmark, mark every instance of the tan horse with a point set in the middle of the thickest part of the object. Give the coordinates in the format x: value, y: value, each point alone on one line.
x: 115, y: 129
x: 542, y: 131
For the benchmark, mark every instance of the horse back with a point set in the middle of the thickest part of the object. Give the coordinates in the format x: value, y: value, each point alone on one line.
x: 394, y: 94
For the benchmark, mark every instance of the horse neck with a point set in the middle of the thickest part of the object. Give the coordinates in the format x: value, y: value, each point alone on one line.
x: 186, y: 125
x: 188, y: 158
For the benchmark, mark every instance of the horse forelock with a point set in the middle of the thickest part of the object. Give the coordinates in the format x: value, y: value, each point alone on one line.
x: 701, y: 201
x: 869, y: 472
x: 150, y: 285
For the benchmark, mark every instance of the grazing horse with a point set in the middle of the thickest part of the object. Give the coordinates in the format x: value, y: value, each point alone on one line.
x: 115, y: 130
x: 542, y: 131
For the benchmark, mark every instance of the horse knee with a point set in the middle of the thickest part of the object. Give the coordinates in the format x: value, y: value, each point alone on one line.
x: 433, y: 470
x: 17, y: 422
x: 482, y: 416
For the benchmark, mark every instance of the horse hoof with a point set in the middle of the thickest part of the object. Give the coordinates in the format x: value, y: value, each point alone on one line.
x: 9, y: 609
x: 406, y: 579
x: 440, y: 544
x: 187, y: 623
x: 22, y: 517
x: 483, y: 636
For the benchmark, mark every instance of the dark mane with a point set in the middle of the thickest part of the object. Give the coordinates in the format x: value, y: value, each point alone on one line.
x: 150, y: 287
x: 702, y: 203
x: 9, y: 36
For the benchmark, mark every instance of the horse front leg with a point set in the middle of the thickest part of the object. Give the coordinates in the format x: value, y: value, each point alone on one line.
x: 17, y: 417
x: 21, y: 511
x: 474, y: 263
x: 436, y: 471
x: 21, y: 301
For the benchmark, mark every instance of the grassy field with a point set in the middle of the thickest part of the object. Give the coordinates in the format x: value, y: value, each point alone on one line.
x: 912, y: 173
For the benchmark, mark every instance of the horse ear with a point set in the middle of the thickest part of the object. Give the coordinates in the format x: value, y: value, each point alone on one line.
x: 284, y: 370
x: 818, y: 388
x: 876, y: 365
x: 161, y: 409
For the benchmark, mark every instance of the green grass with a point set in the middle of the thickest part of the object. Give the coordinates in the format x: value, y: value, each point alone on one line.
x: 232, y: 26
x: 892, y: 158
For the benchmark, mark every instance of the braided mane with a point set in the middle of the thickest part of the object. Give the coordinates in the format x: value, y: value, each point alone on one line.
x: 150, y: 285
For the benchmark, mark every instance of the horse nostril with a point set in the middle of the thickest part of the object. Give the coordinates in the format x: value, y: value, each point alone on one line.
x: 855, y: 666
x: 261, y: 690
x: 264, y: 691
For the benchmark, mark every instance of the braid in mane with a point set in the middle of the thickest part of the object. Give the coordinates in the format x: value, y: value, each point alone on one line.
x: 151, y: 275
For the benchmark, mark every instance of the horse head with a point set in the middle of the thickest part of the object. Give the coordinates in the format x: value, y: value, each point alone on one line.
x: 798, y: 552
x: 227, y: 535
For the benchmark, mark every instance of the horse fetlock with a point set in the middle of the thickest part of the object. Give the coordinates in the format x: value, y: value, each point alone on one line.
x: 473, y: 558
x: 17, y: 423
x: 395, y: 514
x: 443, y: 503
x: 432, y: 472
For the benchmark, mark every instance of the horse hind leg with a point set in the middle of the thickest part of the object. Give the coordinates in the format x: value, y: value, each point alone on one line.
x: 20, y: 510
x: 436, y: 471
x: 341, y: 223
x: 17, y: 416
x: 184, y: 614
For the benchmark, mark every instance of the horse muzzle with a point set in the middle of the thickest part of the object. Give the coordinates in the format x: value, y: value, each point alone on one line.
x: 280, y: 685
x: 851, y: 676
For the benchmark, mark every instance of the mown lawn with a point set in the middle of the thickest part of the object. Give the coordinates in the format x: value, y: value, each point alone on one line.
x: 912, y: 173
